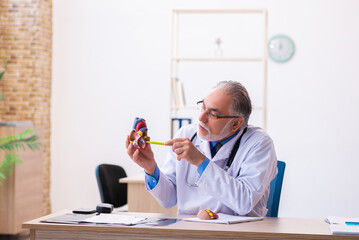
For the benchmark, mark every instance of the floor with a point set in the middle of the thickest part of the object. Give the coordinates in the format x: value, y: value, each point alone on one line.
x: 21, y: 236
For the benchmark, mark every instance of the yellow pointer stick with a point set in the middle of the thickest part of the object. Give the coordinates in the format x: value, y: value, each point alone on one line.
x: 157, y: 143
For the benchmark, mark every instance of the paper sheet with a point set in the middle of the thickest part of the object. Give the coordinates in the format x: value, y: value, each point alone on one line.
x: 225, y: 219
x: 104, y: 218
x: 340, y: 220
x: 338, y: 225
x: 344, y: 229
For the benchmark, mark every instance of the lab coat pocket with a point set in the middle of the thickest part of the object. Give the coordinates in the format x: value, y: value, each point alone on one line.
x: 191, y: 174
x: 221, y: 162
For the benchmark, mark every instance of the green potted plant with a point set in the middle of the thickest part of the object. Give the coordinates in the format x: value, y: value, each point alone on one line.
x: 9, y: 144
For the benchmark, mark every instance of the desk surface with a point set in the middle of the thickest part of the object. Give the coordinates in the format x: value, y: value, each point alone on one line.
x: 269, y: 228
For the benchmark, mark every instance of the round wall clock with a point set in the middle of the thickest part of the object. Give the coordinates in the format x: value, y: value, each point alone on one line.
x: 280, y: 48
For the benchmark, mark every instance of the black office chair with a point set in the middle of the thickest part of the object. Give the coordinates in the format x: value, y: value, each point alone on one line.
x: 275, y: 191
x: 111, y: 191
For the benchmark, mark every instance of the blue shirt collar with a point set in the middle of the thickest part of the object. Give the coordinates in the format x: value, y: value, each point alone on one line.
x: 213, y: 143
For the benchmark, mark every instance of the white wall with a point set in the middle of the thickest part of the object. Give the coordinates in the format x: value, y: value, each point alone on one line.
x: 111, y: 63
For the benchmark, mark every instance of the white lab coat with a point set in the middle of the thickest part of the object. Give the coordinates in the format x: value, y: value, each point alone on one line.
x: 242, y: 190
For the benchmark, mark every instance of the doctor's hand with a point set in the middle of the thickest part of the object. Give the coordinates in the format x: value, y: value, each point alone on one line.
x: 143, y: 157
x: 185, y: 149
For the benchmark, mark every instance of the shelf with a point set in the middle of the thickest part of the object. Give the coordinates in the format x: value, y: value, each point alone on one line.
x: 220, y: 59
x: 259, y: 11
x: 195, y: 108
x: 184, y: 107
x: 177, y: 108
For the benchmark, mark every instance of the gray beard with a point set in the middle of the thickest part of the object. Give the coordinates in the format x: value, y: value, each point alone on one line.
x: 225, y: 132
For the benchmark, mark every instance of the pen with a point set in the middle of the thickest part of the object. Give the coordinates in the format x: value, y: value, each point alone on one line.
x: 352, y: 223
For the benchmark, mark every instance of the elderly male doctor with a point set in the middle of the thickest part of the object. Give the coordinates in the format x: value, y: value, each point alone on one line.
x: 221, y: 164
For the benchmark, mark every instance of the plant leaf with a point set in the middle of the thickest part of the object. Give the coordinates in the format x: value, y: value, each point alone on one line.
x: 18, y: 141
x: 7, y: 165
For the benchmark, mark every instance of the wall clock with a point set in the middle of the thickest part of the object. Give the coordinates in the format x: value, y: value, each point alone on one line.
x: 280, y: 48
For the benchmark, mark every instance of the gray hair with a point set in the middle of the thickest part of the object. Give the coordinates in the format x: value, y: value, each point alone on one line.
x: 242, y: 104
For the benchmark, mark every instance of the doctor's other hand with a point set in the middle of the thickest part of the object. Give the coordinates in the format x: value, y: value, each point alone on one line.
x: 185, y: 149
x: 142, y: 157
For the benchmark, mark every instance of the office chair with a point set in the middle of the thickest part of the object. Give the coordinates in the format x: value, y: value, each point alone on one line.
x: 111, y: 191
x: 275, y: 191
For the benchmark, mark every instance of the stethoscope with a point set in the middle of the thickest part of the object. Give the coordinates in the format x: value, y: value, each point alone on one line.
x: 229, y: 161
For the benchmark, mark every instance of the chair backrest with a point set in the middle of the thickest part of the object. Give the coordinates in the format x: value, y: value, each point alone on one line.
x: 275, y: 191
x: 111, y: 191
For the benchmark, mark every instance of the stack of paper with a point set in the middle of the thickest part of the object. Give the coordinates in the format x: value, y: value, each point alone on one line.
x: 103, y: 218
x: 343, y: 226
x: 339, y: 229
x: 114, y: 219
x: 225, y: 218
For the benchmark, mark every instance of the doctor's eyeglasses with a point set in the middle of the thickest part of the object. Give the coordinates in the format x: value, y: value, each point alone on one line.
x: 210, y: 113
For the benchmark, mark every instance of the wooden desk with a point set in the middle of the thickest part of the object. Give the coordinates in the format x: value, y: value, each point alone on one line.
x: 269, y: 228
x: 139, y: 200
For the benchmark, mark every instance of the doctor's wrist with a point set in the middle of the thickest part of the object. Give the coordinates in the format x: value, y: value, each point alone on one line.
x: 203, y: 166
x: 200, y: 161
x: 151, y: 169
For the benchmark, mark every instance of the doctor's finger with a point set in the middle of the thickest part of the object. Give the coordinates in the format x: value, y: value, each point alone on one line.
x: 130, y: 150
x: 178, y: 150
x: 185, y: 144
x: 175, y: 140
x: 180, y: 155
x: 135, y: 156
x: 127, y: 142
